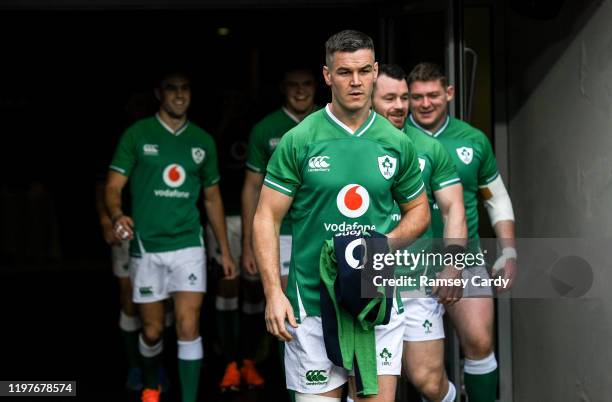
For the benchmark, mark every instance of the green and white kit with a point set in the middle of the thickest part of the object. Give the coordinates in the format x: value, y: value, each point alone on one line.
x: 167, y: 171
x: 340, y: 181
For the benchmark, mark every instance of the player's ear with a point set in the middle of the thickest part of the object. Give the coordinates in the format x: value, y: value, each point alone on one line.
x: 450, y: 93
x: 375, y: 70
x: 157, y: 94
x: 327, y: 75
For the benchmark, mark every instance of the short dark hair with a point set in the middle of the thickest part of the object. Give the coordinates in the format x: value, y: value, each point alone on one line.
x: 426, y: 72
x: 347, y: 41
x: 392, y: 71
x: 165, y: 76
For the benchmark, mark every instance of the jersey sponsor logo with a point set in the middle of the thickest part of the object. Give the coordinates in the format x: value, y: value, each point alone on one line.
x: 150, y: 149
x: 318, y: 164
x: 422, y: 164
x: 387, y: 165
x: 198, y: 155
x: 316, y: 377
x: 347, y: 229
x: 167, y: 193
x: 396, y: 217
x: 174, y: 175
x: 466, y: 154
x: 349, y: 254
x: 273, y: 142
x: 353, y: 200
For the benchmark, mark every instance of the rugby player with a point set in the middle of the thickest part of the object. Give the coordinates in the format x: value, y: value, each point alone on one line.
x: 342, y: 166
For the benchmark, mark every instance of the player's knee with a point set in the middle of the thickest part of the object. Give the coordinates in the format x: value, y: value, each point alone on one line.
x: 152, y: 332
x: 429, y: 381
x: 479, y: 347
x: 187, y: 327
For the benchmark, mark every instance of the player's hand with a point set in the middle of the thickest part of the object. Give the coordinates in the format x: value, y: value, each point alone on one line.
x: 229, y: 266
x: 108, y: 232
x: 448, y: 295
x: 247, y: 260
x: 123, y: 228
x: 278, y: 309
x: 508, y: 270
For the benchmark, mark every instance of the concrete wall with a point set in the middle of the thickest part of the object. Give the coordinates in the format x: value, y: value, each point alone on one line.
x: 560, y: 163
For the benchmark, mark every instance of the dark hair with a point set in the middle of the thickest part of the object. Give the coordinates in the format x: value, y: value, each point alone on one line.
x: 426, y: 72
x: 392, y: 71
x: 347, y: 41
x: 164, y: 77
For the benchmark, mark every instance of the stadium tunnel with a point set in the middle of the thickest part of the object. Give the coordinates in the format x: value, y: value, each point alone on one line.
x: 533, y: 75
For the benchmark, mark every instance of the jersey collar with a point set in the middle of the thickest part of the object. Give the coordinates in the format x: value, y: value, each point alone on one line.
x: 290, y: 115
x: 359, y: 132
x: 164, y: 125
x: 437, y: 133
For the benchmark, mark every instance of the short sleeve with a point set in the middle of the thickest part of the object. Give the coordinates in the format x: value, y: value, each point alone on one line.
x: 126, y: 155
x: 444, y: 173
x: 488, y: 168
x: 209, y: 171
x: 257, y: 158
x: 408, y: 183
x: 283, y: 171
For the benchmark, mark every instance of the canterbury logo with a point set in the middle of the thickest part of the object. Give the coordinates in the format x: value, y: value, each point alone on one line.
x: 318, y: 162
x: 316, y: 376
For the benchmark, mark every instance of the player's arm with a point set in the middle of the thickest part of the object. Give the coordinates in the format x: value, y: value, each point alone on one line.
x: 123, y: 225
x: 415, y: 219
x: 250, y: 195
x: 499, y: 208
x: 450, y: 201
x: 213, y: 204
x: 271, y: 209
x: 105, y: 221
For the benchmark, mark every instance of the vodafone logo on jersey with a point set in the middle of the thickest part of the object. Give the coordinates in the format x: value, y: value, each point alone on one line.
x: 174, y: 175
x: 353, y: 200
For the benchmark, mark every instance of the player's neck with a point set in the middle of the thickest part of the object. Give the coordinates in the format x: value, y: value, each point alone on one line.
x: 435, y: 128
x: 299, y: 116
x: 353, y: 119
x: 174, y: 123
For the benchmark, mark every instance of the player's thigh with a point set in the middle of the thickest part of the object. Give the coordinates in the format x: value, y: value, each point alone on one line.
x: 125, y: 296
x: 387, y: 385
x: 186, y: 270
x: 473, y: 320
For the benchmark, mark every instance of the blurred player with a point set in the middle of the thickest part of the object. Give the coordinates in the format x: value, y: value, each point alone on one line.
x: 473, y: 157
x: 423, y: 358
x: 168, y: 161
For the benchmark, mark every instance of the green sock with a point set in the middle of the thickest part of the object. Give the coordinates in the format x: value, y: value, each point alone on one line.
x: 130, y: 344
x: 481, y: 387
x: 227, y: 332
x: 150, y: 371
x: 189, y: 374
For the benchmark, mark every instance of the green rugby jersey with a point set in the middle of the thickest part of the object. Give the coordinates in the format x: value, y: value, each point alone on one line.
x: 472, y: 155
x: 340, y: 181
x: 438, y: 172
x: 263, y: 140
x: 167, y: 170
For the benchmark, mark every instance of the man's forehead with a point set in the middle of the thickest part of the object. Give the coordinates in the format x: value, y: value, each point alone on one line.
x: 387, y: 84
x: 299, y: 76
x: 358, y: 59
x: 427, y: 86
x: 175, y: 81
